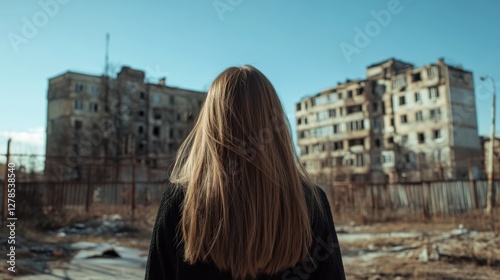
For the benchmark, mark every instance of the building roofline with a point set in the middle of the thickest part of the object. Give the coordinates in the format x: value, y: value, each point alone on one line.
x: 387, y: 60
x: 174, y: 88
x: 77, y: 73
x: 69, y: 72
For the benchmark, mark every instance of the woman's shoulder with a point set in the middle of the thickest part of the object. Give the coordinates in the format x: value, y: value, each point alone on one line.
x: 315, y: 192
x: 172, y: 197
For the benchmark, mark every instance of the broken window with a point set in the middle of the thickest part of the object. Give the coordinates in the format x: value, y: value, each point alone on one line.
x: 171, y: 133
x: 339, y: 145
x: 349, y: 94
x: 402, y: 100
x: 298, y: 107
x: 437, y: 134
x: 356, y: 142
x: 140, y: 129
x: 418, y: 97
x: 157, y: 113
x: 156, y: 130
x: 416, y: 77
x: 360, y: 91
x: 142, y: 95
x: 435, y: 114
x: 421, y: 137
x: 93, y: 107
x: 299, y: 121
x: 390, y: 140
x: 354, y: 109
x: 377, y: 143
x: 141, y: 113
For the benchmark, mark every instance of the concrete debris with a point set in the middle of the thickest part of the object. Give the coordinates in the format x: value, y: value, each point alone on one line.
x: 108, y: 225
x: 457, y: 245
x: 460, y: 230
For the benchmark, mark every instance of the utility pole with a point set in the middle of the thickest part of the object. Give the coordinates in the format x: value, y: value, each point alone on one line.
x: 490, y: 198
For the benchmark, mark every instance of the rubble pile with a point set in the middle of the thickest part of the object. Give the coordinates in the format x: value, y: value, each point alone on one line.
x: 107, y: 225
x: 427, y: 254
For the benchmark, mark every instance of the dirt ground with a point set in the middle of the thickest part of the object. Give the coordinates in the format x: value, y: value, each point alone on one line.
x: 466, y: 247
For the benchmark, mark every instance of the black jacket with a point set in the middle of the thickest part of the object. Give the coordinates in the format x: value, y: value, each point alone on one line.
x: 165, y: 258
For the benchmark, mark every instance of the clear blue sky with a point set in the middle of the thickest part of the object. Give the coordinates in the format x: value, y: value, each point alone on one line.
x: 294, y: 42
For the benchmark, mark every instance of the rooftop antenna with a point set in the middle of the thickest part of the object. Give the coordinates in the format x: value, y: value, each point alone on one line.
x: 106, y: 65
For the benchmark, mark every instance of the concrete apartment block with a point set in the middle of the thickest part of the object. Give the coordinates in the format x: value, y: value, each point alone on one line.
x: 400, y: 124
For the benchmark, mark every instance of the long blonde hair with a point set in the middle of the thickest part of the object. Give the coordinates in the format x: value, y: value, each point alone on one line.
x: 244, y: 208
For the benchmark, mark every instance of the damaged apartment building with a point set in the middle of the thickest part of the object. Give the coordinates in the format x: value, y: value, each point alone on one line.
x: 101, y: 127
x: 400, y: 124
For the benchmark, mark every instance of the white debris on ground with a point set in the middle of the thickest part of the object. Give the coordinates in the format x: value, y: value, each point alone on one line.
x: 64, y: 259
x: 106, y: 225
x: 459, y: 246
x: 93, y: 261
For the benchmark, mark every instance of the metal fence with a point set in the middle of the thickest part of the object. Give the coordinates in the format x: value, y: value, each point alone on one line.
x: 134, y: 183
x: 440, y: 198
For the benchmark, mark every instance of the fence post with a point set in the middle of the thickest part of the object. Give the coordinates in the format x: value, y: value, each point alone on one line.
x: 132, y: 193
x: 89, y: 192
x: 425, y: 202
x: 472, y: 186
